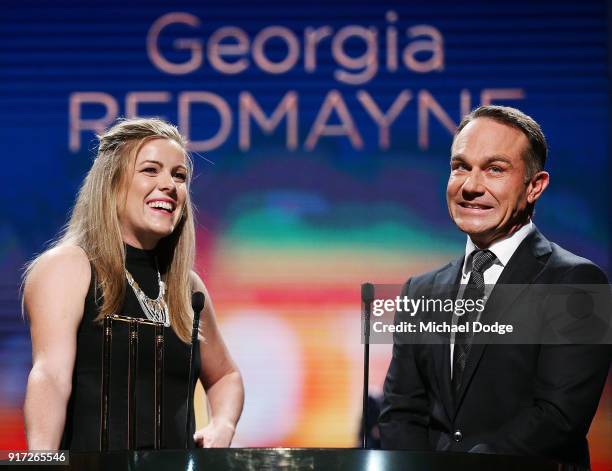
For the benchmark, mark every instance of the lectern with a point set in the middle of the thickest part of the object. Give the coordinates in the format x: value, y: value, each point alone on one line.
x: 324, y: 459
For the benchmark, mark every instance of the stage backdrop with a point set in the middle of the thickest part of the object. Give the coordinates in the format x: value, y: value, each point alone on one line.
x: 320, y: 133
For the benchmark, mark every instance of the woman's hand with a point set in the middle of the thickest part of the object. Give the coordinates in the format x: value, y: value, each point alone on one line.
x: 217, y: 434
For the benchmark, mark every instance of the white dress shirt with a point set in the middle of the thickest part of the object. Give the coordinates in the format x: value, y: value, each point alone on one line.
x: 503, y: 250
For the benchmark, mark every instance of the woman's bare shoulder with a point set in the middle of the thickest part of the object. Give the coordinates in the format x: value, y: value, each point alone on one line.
x: 61, y: 265
x: 54, y: 292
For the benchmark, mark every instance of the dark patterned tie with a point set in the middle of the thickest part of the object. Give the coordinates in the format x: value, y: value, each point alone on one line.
x: 475, y: 289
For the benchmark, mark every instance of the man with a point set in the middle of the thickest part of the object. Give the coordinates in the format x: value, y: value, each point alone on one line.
x: 507, y: 399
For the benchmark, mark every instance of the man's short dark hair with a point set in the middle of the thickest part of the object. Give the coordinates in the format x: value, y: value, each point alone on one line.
x: 537, y: 149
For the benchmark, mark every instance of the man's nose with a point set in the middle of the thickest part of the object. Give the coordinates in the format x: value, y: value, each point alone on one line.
x: 473, y: 185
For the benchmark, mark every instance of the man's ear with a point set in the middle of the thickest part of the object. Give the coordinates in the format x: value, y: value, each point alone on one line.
x: 536, y: 186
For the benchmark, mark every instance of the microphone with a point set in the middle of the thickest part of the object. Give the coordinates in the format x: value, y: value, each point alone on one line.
x: 367, y: 293
x: 197, y: 304
x: 367, y: 297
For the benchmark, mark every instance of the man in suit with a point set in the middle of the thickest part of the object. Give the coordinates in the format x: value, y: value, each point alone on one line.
x: 507, y: 399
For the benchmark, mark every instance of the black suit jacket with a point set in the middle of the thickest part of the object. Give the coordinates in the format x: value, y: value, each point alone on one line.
x: 515, y: 399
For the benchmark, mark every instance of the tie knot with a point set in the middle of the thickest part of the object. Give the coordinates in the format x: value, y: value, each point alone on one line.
x: 482, y: 259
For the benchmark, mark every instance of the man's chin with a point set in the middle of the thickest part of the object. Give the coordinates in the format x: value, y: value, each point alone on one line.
x: 476, y: 232
x: 473, y: 227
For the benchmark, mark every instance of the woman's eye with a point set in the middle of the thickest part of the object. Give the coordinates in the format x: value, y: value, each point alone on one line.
x: 180, y: 176
x: 149, y: 170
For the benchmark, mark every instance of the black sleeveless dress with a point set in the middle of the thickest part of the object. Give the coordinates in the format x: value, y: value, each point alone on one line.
x: 82, y: 428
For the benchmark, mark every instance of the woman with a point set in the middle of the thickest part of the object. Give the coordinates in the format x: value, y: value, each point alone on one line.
x: 127, y: 249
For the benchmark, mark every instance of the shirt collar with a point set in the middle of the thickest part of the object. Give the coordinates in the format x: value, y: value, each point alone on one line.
x: 503, y: 248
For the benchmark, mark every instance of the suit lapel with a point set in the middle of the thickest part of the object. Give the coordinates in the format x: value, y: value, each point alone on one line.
x: 446, y: 285
x: 523, y: 268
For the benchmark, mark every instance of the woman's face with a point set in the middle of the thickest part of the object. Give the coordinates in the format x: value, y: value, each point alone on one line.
x: 153, y: 200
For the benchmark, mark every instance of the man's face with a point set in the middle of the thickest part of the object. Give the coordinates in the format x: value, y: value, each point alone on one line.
x: 487, y: 194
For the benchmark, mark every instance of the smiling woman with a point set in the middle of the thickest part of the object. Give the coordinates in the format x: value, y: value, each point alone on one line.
x: 154, y: 202
x: 128, y: 249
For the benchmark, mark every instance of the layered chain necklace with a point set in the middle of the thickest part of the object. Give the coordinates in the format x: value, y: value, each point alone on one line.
x: 156, y: 310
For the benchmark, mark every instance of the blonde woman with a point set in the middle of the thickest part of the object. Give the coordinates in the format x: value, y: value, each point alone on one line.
x: 127, y: 249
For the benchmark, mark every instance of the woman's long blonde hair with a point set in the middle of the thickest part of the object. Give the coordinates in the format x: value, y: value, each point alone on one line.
x: 94, y: 223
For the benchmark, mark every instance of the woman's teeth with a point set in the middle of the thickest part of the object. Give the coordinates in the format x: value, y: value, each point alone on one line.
x: 161, y: 204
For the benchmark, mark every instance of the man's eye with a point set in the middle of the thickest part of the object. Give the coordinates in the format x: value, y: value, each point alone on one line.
x: 496, y: 169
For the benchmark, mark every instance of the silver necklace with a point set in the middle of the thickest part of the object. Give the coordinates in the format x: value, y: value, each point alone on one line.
x: 156, y: 310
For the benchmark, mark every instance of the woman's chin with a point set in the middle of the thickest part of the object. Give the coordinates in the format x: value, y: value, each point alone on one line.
x: 154, y: 234
x: 161, y: 228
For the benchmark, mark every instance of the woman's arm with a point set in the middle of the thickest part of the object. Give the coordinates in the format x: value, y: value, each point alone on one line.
x: 54, y: 294
x: 221, y: 380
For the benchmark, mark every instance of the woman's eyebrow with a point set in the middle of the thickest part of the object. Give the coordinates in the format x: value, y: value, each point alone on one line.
x: 184, y: 167
x: 152, y: 162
